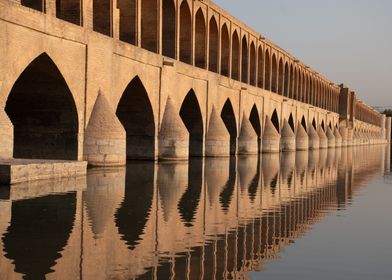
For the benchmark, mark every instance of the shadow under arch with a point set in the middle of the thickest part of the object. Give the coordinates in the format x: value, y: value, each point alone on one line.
x: 303, y: 123
x: 322, y: 125
x: 256, y: 124
x: 185, y: 33
x: 39, y: 230
x: 134, y: 212
x: 43, y: 112
x: 275, y: 120
x: 291, y: 122
x: 314, y: 124
x: 230, y: 122
x: 135, y: 113
x: 190, y: 114
x: 168, y: 28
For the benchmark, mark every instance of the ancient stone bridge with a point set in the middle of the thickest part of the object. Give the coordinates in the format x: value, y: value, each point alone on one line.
x: 107, y: 80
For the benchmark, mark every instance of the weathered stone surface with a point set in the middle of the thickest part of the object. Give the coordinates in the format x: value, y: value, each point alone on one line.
x: 104, y: 143
x: 314, y: 139
x: 302, y: 138
x: 173, y: 139
x: 287, y: 138
x: 271, y: 138
x: 217, y: 137
x: 247, y: 141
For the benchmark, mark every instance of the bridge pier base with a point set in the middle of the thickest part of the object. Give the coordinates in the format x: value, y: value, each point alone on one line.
x: 217, y: 140
x: 314, y: 139
x: 173, y: 139
x: 105, y: 137
x: 247, y: 141
x: 344, y: 134
x: 6, y: 136
x: 323, y: 139
x: 331, y: 138
x: 301, y: 139
x: 287, y: 138
x: 271, y: 138
x: 338, y: 138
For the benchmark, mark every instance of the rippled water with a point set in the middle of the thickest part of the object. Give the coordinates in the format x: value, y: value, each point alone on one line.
x: 304, y: 215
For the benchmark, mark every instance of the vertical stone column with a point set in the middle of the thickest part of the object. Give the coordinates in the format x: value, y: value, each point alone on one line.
x: 388, y: 129
x: 6, y: 136
x: 87, y: 14
x: 50, y: 6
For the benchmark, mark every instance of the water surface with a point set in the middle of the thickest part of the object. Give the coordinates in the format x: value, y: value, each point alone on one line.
x: 304, y: 215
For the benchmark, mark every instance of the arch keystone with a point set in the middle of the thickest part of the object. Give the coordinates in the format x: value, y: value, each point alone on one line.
x: 104, y: 139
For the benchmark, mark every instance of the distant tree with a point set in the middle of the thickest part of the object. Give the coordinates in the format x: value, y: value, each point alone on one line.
x: 388, y: 112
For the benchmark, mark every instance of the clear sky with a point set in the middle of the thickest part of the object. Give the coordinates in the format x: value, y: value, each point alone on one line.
x: 348, y: 41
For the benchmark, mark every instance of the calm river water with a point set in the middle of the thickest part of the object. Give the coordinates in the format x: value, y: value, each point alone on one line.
x: 304, y: 215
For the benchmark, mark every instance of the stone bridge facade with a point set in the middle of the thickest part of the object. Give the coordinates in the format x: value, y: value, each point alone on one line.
x: 107, y: 80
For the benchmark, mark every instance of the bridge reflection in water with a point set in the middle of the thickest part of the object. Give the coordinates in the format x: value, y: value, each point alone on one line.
x: 202, y: 219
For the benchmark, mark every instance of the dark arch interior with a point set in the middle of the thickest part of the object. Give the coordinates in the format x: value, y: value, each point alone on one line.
x: 102, y: 17
x: 185, y: 33
x: 228, y: 118
x: 168, y: 28
x: 34, y: 4
x: 244, y: 72
x: 303, y: 122
x: 291, y: 122
x: 134, y: 212
x: 214, y: 44
x: 260, y: 70
x: 189, y: 201
x: 286, y: 80
x: 252, y: 74
x: 314, y: 124
x: 256, y: 124
x: 69, y: 10
x: 38, y: 232
x: 330, y: 125
x: 191, y: 116
x: 275, y: 120
x: 235, y: 57
x: 43, y: 113
x: 322, y: 125
x: 127, y: 20
x: 200, y: 40
x: 274, y: 82
x: 135, y: 113
x: 149, y: 25
x: 225, y: 51
x: 280, y: 77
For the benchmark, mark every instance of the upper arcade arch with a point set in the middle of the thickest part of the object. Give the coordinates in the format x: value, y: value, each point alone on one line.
x: 229, y: 119
x: 168, y: 28
x: 244, y: 60
x: 213, y: 50
x: 225, y: 51
x: 235, y: 57
x: 200, y: 39
x: 149, y: 25
x: 185, y: 33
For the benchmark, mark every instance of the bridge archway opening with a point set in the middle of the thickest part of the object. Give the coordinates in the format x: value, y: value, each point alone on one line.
x: 136, y: 115
x: 252, y: 74
x: 225, y: 51
x: 330, y: 125
x: 267, y: 71
x: 168, y: 28
x: 200, y: 40
x: 287, y: 75
x: 42, y: 109
x: 314, y: 124
x: 274, y: 82
x: 213, y: 47
x: 303, y: 123
x: 102, y: 17
x: 230, y: 122
x: 185, y: 33
x: 256, y: 124
x: 275, y: 120
x: 38, y: 5
x: 68, y: 10
x: 149, y: 25
x: 191, y: 116
x: 244, y: 60
x: 260, y: 70
x: 322, y: 125
x: 291, y: 122
x: 235, y: 57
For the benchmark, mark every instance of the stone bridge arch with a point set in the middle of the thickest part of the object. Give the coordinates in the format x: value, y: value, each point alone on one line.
x: 229, y: 118
x: 43, y: 112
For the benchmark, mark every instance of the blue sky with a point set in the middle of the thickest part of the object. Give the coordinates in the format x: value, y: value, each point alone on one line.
x: 348, y: 41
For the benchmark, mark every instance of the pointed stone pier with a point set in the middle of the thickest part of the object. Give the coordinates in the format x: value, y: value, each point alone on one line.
x: 217, y: 137
x: 271, y: 138
x: 314, y: 140
x: 248, y: 140
x: 287, y: 138
x: 301, y: 138
x: 323, y: 138
x: 338, y: 138
x: 331, y: 138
